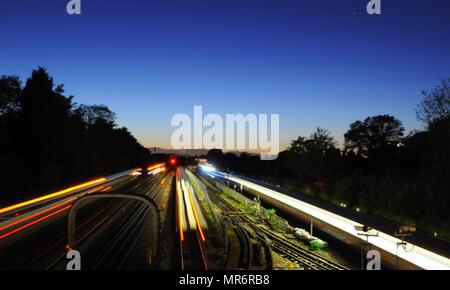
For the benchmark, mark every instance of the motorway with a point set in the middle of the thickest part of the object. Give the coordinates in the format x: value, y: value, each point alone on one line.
x: 33, y: 234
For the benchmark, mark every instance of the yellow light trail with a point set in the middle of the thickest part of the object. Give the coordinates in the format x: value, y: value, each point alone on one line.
x: 199, y: 227
x: 52, y: 195
x: 180, y: 218
x: 106, y: 189
x: 150, y: 168
x: 188, y: 205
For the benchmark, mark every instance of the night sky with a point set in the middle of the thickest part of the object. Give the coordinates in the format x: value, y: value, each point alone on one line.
x: 317, y: 63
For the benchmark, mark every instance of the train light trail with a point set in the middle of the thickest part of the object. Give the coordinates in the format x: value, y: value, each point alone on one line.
x: 419, y: 256
x: 36, y: 214
x: 189, y: 207
x: 180, y: 210
x: 49, y: 196
x: 152, y: 167
x: 35, y: 222
x: 199, y: 227
x: 157, y: 170
x: 106, y: 189
x: 207, y: 167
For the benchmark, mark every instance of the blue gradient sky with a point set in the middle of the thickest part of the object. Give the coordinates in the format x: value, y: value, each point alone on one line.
x: 316, y: 63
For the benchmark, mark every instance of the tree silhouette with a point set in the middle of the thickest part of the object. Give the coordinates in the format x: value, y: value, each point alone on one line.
x: 312, y: 155
x: 49, y: 142
x: 10, y: 89
x: 436, y: 103
x: 373, y: 133
x: 321, y: 147
x: 216, y: 157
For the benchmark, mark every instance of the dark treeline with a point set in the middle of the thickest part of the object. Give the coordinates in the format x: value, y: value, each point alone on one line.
x: 380, y: 171
x: 47, y: 140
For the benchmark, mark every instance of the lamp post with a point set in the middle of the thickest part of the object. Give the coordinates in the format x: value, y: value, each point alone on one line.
x: 402, y: 233
x: 364, y: 231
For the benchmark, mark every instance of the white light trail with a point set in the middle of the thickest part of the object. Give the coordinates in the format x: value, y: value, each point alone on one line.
x: 419, y: 256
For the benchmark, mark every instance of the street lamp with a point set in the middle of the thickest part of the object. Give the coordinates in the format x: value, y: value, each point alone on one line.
x: 402, y: 233
x: 364, y: 231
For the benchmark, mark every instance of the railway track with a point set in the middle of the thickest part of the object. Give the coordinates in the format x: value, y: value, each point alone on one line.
x: 128, y: 232
x: 305, y: 258
x: 192, y: 239
x: 86, y: 228
x: 117, y: 251
x: 246, y: 256
x: 247, y: 251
